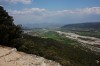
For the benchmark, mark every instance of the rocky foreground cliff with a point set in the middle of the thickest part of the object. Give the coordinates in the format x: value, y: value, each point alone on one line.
x: 11, y: 57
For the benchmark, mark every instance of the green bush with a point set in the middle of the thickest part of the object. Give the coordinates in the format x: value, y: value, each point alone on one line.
x: 8, y: 30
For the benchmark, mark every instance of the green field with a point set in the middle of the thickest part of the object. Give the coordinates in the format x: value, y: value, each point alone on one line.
x: 55, y: 36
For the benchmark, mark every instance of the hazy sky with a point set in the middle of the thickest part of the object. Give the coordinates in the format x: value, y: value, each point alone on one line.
x: 53, y: 11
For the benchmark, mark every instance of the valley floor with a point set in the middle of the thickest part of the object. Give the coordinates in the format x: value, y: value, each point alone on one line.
x: 89, y: 42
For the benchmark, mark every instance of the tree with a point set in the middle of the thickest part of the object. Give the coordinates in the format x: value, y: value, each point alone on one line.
x: 8, y: 30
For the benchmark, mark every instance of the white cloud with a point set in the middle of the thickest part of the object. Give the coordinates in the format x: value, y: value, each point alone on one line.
x: 43, y: 15
x: 84, y: 11
x: 28, y: 11
x: 92, y: 10
x: 18, y: 1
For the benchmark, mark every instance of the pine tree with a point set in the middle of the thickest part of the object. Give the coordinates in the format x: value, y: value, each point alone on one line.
x: 8, y: 30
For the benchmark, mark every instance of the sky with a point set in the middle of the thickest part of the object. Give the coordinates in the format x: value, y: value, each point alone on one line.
x: 52, y: 11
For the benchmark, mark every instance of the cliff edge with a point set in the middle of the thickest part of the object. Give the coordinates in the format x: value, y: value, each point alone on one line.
x: 11, y: 57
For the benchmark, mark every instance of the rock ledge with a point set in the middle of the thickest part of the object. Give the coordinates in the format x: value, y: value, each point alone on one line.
x: 11, y: 57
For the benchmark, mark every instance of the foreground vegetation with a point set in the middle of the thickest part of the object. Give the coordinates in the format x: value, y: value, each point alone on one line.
x: 67, y: 55
x: 8, y: 30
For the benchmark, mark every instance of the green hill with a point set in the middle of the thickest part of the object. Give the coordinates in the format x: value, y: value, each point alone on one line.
x: 84, y: 26
x: 86, y: 29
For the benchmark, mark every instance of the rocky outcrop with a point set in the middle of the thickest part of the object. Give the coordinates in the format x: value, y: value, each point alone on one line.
x: 11, y: 57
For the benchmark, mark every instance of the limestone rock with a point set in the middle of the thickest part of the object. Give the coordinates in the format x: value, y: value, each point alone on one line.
x: 11, y: 57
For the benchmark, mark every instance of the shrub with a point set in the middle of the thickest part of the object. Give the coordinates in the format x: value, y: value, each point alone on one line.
x: 8, y: 30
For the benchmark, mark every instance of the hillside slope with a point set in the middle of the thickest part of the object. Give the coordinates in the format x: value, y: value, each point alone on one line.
x: 11, y: 57
x: 89, y: 25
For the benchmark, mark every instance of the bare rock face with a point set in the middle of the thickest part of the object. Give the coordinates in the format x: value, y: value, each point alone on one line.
x: 11, y: 57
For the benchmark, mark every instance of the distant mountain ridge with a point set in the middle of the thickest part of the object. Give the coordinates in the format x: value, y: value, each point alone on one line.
x: 89, y: 25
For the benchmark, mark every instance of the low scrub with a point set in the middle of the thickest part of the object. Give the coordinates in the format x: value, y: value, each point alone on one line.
x: 66, y: 54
